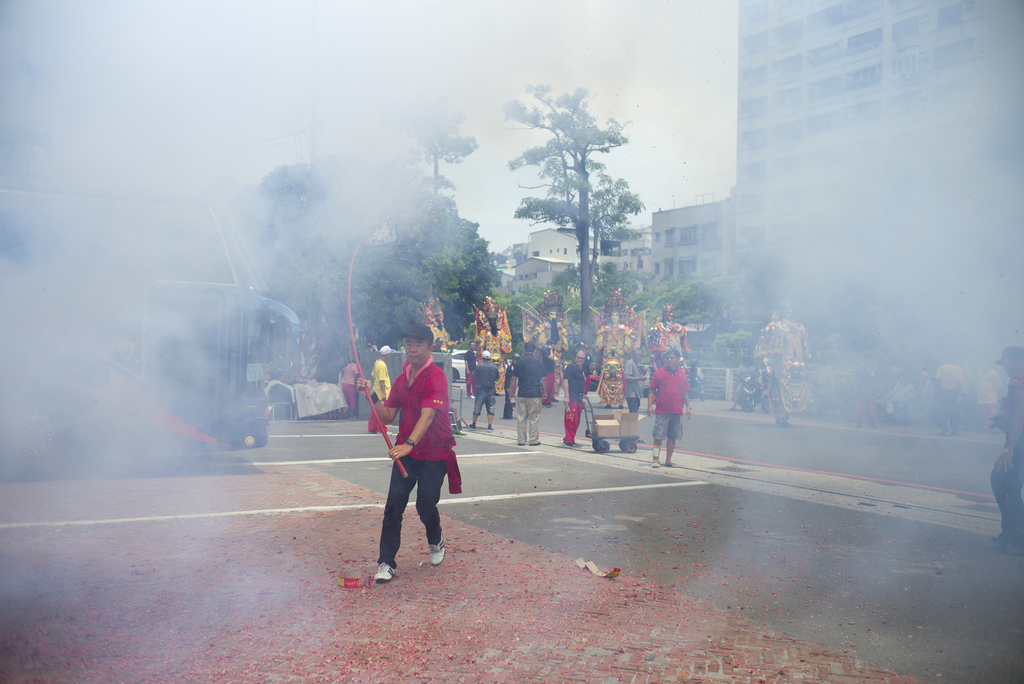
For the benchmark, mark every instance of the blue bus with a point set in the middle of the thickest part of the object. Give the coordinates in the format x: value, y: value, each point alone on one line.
x: 129, y: 320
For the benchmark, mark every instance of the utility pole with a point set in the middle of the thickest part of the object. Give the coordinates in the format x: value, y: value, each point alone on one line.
x: 314, y: 127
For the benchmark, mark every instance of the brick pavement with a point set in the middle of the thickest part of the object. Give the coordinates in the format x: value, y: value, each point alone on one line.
x: 254, y: 598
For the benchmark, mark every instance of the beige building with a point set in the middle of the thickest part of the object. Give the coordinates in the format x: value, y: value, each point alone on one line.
x: 694, y: 241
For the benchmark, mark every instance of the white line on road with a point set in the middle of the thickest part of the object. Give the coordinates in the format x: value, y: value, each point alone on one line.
x: 331, y: 509
x: 377, y: 458
x: 563, y: 492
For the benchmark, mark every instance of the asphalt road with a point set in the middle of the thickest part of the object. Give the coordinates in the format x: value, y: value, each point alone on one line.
x: 871, y: 542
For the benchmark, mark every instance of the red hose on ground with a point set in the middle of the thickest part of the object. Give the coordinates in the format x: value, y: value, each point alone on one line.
x: 355, y: 353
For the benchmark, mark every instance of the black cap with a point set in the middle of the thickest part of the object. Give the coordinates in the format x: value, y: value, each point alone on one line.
x: 421, y: 331
x: 1011, y: 354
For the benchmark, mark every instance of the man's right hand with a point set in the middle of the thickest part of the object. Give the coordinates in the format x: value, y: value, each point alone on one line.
x: 650, y: 410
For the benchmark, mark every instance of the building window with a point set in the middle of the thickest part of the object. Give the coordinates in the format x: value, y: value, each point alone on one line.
x: 905, y: 68
x: 825, y: 88
x: 536, y: 254
x: 787, y: 165
x: 794, y: 30
x: 823, y: 123
x: 864, y: 41
x: 789, y: 67
x: 906, y: 28
x: 688, y: 236
x: 657, y: 268
x: 670, y: 237
x: 951, y: 15
x: 863, y: 78
x: 756, y: 42
x: 757, y: 106
x: 709, y: 231
x: 787, y: 100
x: 754, y: 171
x: 753, y: 76
x: 788, y: 132
x: 826, y: 53
x: 753, y: 139
x: 826, y: 18
x: 657, y: 237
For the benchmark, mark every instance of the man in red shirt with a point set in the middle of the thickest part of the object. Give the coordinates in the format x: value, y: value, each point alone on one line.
x: 1008, y: 474
x: 424, y: 446
x: 670, y: 391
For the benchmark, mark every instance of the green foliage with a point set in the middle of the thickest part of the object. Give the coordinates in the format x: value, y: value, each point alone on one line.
x: 312, y: 222
x: 436, y: 132
x: 741, y: 339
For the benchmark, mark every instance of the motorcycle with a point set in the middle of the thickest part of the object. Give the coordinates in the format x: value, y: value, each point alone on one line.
x: 749, y: 393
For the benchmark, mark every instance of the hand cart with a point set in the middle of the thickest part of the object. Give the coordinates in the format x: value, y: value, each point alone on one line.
x: 602, y: 429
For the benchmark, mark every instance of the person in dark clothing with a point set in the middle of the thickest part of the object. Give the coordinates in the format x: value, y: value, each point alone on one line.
x: 471, y: 370
x: 486, y: 375
x: 529, y: 374
x: 574, y: 381
x: 1008, y: 473
x: 510, y: 388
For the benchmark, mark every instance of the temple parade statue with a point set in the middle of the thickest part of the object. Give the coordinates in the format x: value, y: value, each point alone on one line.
x: 783, y: 347
x: 546, y: 328
x: 493, y: 335
x: 664, y: 335
x: 619, y: 330
x: 433, y: 315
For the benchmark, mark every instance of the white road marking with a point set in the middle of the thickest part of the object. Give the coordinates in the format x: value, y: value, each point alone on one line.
x: 330, y: 509
x: 375, y: 458
x: 563, y: 492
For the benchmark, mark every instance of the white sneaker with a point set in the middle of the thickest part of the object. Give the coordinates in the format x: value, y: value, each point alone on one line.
x: 384, y: 574
x: 655, y: 464
x: 437, y: 552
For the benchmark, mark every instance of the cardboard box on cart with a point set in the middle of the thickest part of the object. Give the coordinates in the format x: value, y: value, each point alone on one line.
x: 620, y: 423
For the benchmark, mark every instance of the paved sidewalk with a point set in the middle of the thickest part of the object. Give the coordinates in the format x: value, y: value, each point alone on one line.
x: 255, y: 598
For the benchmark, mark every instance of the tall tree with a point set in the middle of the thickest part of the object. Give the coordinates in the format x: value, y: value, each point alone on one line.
x: 565, y: 165
x: 438, y: 140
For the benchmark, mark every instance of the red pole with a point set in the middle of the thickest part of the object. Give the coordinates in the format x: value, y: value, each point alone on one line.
x: 355, y: 352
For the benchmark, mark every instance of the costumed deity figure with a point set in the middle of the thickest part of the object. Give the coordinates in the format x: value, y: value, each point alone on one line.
x: 664, y: 335
x: 546, y: 328
x: 616, y: 339
x: 783, y: 348
x: 493, y: 335
x: 433, y: 316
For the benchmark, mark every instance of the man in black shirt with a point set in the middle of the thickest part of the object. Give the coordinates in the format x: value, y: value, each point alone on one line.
x: 529, y: 374
x: 485, y: 375
x: 574, y: 381
x: 470, y: 370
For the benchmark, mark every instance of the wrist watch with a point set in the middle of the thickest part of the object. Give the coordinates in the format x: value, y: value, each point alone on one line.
x: 410, y: 442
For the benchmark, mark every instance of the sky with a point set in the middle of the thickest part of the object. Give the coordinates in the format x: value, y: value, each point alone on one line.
x: 172, y: 97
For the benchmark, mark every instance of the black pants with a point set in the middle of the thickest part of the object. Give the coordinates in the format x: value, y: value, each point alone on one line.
x: 633, y: 403
x: 1006, y: 486
x: 430, y: 475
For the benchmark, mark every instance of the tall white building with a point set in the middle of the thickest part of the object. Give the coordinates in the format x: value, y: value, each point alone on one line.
x: 841, y: 102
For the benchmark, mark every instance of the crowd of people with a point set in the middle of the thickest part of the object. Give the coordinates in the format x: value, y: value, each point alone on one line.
x: 949, y: 397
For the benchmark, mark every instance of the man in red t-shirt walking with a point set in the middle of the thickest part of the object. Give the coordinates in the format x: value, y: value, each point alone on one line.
x: 424, y: 446
x: 670, y: 392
